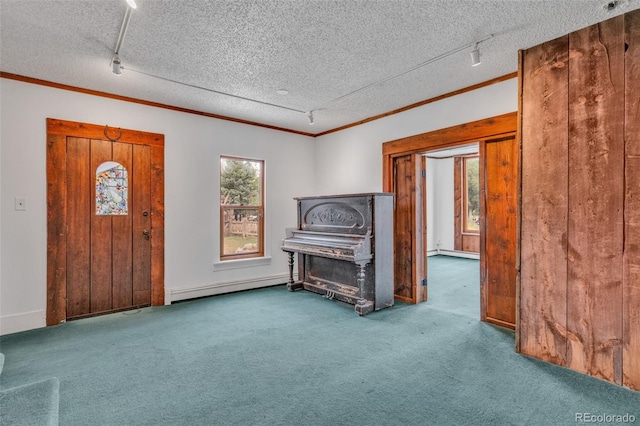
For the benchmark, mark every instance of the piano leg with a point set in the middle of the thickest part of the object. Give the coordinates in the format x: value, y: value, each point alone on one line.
x: 363, y: 306
x: 292, y: 285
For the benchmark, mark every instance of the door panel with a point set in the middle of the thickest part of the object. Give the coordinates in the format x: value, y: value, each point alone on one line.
x: 500, y: 231
x: 101, y: 249
x: 404, y: 212
x: 108, y: 256
x: 121, y: 231
x: 141, y: 222
x: 78, y: 240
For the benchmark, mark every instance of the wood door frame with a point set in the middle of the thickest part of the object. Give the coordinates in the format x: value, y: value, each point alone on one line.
x: 57, y: 133
x: 476, y: 131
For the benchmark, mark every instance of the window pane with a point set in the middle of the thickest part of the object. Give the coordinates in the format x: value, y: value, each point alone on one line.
x: 472, y: 195
x: 241, y: 208
x: 241, y: 231
x: 240, y: 182
x: 111, y: 189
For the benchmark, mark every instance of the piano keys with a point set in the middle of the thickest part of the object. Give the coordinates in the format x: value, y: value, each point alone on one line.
x: 344, y: 245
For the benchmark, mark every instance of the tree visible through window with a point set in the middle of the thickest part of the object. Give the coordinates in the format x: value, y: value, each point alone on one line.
x: 471, y: 195
x: 241, y: 208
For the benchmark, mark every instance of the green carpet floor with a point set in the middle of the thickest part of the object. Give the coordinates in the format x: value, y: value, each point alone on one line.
x: 271, y: 357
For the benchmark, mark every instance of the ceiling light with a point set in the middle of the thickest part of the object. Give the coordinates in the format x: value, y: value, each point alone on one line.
x: 282, y: 92
x: 475, y: 56
x: 132, y: 4
x: 310, y: 117
x: 116, y: 65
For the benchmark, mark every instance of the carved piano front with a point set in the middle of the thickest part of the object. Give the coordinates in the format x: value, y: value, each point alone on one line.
x: 345, y: 249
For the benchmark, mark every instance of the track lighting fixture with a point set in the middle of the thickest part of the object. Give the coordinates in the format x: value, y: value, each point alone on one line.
x: 132, y: 4
x: 116, y: 65
x: 310, y: 117
x: 475, y: 56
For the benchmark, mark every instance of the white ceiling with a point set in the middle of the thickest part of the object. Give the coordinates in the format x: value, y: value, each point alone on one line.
x: 319, y: 50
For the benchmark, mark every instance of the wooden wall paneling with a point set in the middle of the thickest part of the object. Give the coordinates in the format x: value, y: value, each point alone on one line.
x: 141, y: 216
x: 631, y: 283
x: 596, y: 200
x: 483, y: 232
x: 56, y: 229
x: 78, y: 223
x: 122, y: 227
x: 403, y: 218
x: 544, y: 201
x: 500, y: 190
x: 101, y: 255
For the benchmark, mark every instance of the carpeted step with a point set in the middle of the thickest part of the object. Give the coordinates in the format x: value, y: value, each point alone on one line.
x: 31, y: 404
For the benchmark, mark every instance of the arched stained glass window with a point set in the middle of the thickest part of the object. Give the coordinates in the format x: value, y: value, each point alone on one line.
x: 111, y: 189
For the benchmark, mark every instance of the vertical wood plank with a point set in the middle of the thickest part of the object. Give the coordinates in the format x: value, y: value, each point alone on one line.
x: 500, y: 193
x: 101, y: 241
x: 141, y: 215
x: 544, y: 171
x: 403, y: 219
x: 596, y: 202
x: 122, y: 248
x: 419, y: 228
x: 631, y: 283
x: 457, y: 203
x: 157, y: 222
x: 78, y: 222
x: 56, y: 229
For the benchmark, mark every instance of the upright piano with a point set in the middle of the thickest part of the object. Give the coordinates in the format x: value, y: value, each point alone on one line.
x: 344, y: 245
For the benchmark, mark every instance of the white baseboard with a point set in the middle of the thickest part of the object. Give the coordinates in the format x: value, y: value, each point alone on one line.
x: 454, y: 253
x: 184, y: 293
x: 22, y: 322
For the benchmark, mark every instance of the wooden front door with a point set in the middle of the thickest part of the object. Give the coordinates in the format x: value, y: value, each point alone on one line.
x: 105, y: 222
x: 109, y: 224
x: 498, y: 208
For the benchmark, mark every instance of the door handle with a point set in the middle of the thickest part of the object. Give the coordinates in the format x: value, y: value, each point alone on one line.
x: 146, y: 234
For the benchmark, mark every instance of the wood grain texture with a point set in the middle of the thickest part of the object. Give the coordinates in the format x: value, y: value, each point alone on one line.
x: 56, y: 229
x: 57, y: 208
x: 101, y: 238
x: 403, y: 227
x: 121, y: 231
x: 157, y: 224
x: 141, y: 217
x: 500, y: 189
x: 451, y: 136
x: 631, y: 283
x: 78, y: 222
x: 596, y: 200
x: 544, y: 201
x: 457, y: 203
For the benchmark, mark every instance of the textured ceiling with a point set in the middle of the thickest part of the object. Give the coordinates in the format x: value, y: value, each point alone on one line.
x: 320, y: 51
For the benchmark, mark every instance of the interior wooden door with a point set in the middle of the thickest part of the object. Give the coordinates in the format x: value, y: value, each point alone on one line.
x: 108, y: 246
x: 498, y: 206
x: 409, y: 229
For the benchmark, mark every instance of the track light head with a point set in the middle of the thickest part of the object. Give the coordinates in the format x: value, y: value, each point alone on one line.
x: 116, y: 65
x: 475, y: 56
x: 132, y: 4
x: 310, y: 117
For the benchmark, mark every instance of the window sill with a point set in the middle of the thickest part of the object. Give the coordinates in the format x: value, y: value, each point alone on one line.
x: 241, y: 263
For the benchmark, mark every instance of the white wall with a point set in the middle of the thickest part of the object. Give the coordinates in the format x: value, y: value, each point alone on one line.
x: 193, y: 145
x: 350, y: 161
x: 440, y: 204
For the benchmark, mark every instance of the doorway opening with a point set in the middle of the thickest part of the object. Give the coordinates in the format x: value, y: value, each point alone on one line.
x: 453, y: 229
